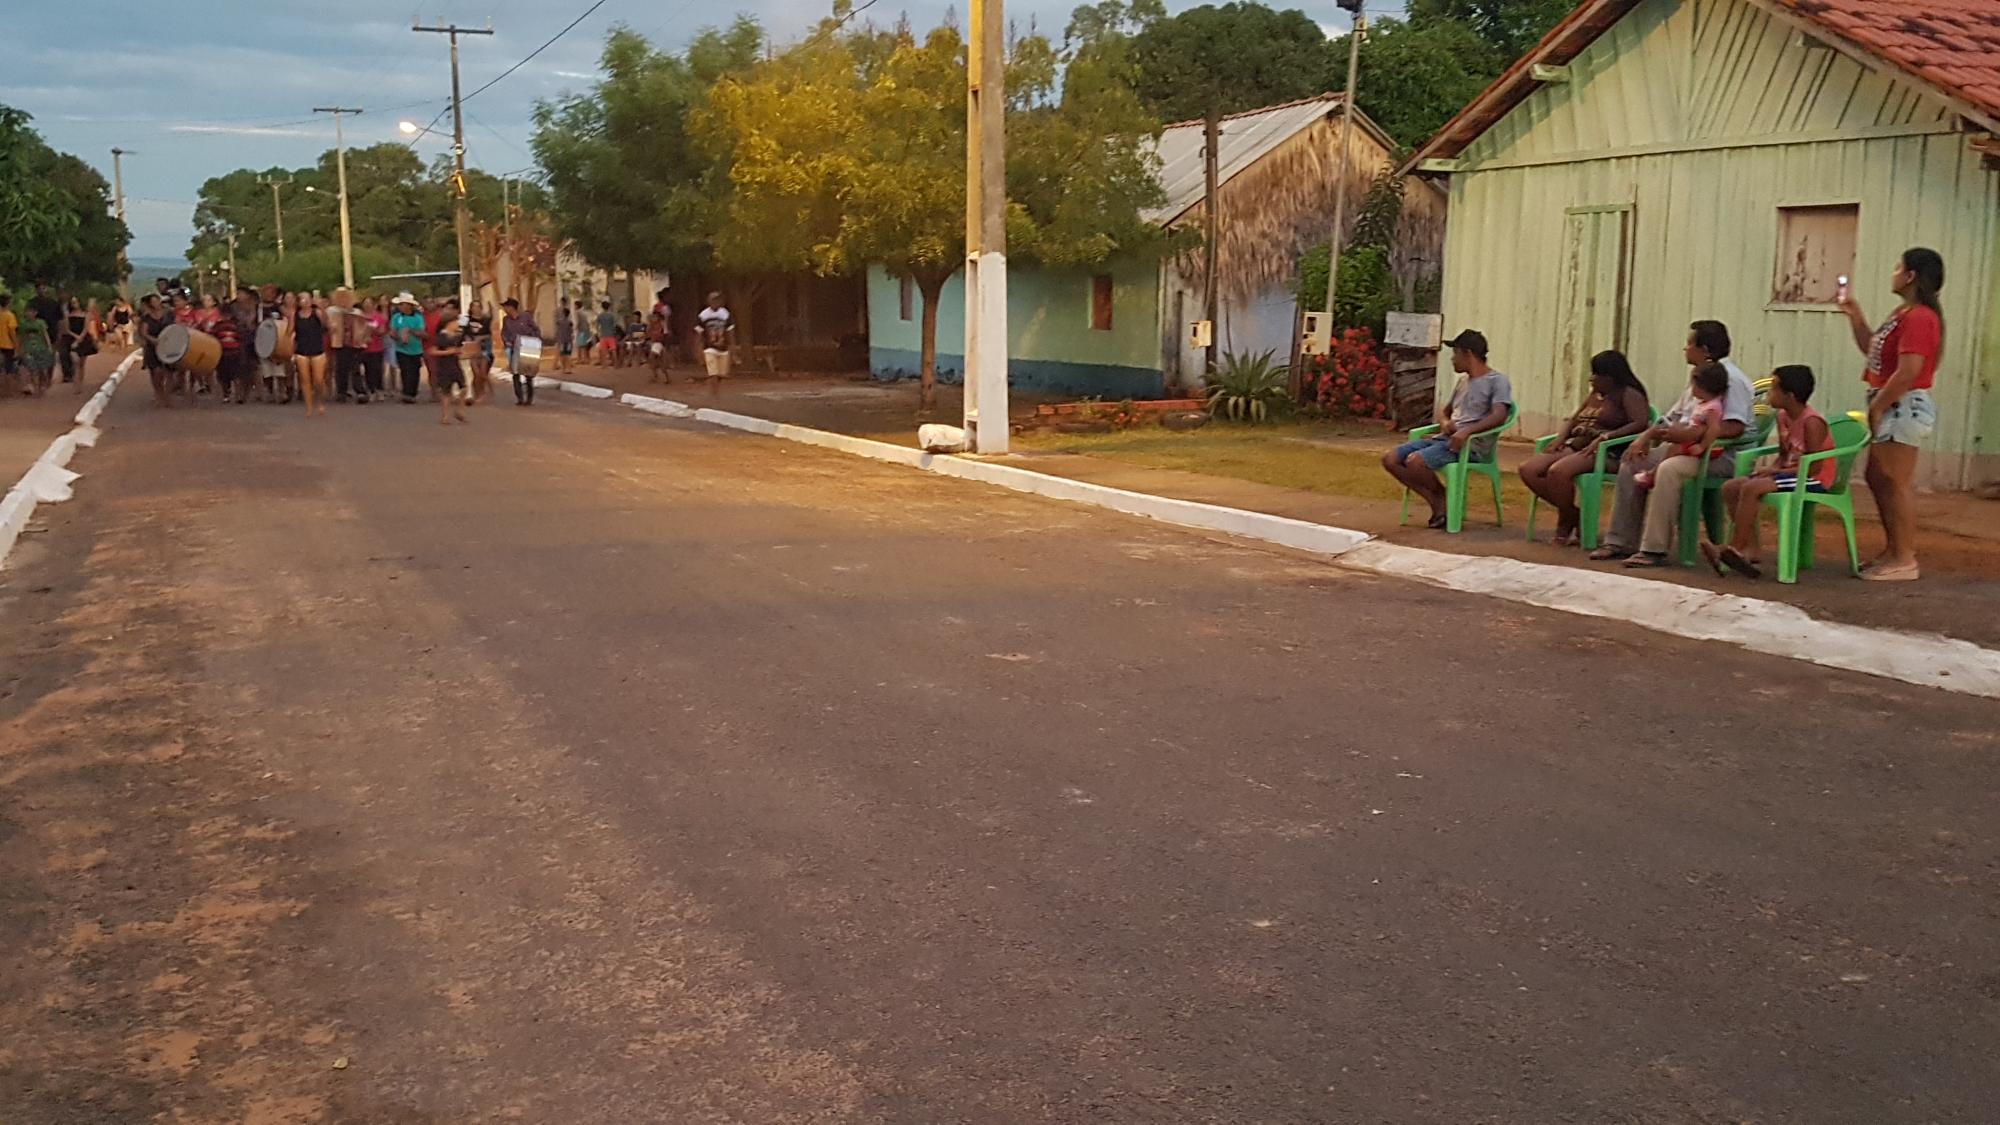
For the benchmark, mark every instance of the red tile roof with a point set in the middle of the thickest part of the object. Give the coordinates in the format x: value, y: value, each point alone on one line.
x: 1953, y: 45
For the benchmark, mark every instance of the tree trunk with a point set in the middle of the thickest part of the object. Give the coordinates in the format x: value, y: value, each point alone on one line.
x: 932, y: 287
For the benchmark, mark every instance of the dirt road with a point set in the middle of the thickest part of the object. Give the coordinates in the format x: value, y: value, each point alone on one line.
x: 576, y: 766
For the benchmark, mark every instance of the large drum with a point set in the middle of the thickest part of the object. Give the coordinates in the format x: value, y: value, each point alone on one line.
x: 274, y: 341
x: 189, y: 349
x: 527, y: 357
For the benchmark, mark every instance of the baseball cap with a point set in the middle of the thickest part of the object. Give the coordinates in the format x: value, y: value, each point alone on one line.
x: 1469, y: 340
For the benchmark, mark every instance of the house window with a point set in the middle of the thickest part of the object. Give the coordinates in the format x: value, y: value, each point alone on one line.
x: 906, y: 299
x: 1100, y: 302
x: 1815, y: 250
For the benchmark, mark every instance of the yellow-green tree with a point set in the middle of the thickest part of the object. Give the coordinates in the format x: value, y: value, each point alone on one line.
x: 849, y: 150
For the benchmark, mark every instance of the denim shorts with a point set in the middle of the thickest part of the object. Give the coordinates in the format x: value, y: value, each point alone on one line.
x: 1437, y: 452
x: 1908, y: 422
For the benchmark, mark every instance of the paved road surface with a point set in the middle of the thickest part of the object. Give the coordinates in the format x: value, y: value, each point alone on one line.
x: 576, y: 766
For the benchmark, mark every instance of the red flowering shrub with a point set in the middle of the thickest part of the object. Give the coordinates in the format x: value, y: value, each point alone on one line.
x: 1351, y: 380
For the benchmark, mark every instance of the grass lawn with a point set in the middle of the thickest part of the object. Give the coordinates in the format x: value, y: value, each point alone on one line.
x: 1254, y: 453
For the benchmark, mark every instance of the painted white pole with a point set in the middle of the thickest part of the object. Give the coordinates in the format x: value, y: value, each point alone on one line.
x: 986, y: 232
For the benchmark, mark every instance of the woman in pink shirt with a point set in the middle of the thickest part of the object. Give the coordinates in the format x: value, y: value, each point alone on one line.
x: 1902, y: 362
x: 375, y: 350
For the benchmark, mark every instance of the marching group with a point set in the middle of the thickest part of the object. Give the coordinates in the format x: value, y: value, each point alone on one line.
x: 277, y: 346
x: 1656, y: 456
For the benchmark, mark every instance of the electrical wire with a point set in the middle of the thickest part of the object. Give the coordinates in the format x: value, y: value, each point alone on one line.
x: 545, y: 46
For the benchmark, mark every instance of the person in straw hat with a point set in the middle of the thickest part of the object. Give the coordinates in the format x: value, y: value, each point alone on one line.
x: 406, y: 334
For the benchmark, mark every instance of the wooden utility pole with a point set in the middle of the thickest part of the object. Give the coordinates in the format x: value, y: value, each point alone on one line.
x: 277, y: 208
x: 118, y: 200
x: 1211, y: 222
x: 986, y: 231
x: 340, y: 167
x: 467, y: 277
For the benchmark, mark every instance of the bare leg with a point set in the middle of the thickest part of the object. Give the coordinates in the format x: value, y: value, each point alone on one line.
x: 1891, y: 473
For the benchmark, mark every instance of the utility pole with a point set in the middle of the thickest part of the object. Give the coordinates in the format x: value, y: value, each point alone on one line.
x: 118, y: 198
x: 1347, y: 112
x: 467, y: 282
x: 232, y: 263
x: 1211, y: 141
x: 986, y: 231
x: 277, y: 208
x: 340, y: 167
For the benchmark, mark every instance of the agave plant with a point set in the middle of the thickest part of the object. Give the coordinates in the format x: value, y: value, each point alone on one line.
x: 1248, y: 387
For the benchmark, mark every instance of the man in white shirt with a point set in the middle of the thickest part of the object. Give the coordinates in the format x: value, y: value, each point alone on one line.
x: 718, y: 332
x: 1635, y: 508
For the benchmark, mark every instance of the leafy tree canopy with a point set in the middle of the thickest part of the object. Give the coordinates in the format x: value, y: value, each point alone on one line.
x: 55, y: 212
x: 1238, y: 56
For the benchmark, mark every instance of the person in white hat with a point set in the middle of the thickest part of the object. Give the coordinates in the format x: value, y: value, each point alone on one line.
x: 407, y: 330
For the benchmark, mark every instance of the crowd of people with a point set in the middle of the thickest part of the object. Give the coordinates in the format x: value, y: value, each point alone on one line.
x: 343, y: 347
x: 1714, y: 417
x: 46, y: 333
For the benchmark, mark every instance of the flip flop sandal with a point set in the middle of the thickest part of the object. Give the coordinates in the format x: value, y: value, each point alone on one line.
x: 1891, y: 574
x: 1609, y: 554
x: 1642, y: 561
x: 1738, y: 562
x: 1437, y: 523
x: 1712, y: 555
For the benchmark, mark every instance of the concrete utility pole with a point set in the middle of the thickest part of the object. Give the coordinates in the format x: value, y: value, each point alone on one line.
x: 1347, y: 112
x: 467, y: 282
x: 118, y: 201
x: 1211, y: 142
x: 986, y: 232
x: 340, y: 167
x: 232, y: 264
x: 277, y: 208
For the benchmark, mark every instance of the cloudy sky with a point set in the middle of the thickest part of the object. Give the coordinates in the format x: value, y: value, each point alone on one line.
x: 190, y: 98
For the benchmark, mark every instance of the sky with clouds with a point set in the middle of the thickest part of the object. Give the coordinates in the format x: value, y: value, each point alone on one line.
x: 193, y: 98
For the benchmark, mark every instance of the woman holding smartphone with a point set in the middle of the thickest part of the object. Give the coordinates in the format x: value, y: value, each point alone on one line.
x: 1902, y: 364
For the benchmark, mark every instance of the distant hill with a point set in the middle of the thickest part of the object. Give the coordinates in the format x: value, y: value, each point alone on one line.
x: 157, y: 267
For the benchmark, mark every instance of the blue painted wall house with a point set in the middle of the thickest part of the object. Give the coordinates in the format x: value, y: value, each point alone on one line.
x: 1119, y: 332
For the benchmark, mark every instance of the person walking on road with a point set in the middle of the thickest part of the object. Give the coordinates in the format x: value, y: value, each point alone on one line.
x: 449, y: 352
x: 375, y: 350
x: 309, y: 353
x: 718, y: 331
x: 153, y: 320
x: 515, y: 327
x: 1902, y: 364
x: 407, y: 328
x: 607, y: 335
x: 38, y: 354
x: 10, y: 342
x: 78, y: 344
x: 565, y: 336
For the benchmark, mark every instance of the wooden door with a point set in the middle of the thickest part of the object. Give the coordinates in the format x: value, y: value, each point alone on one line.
x: 1594, y: 302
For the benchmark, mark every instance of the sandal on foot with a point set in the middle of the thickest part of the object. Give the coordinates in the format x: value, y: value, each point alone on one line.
x: 1906, y: 573
x: 1740, y: 563
x: 1642, y: 560
x: 1437, y: 523
x: 1712, y: 555
x: 1609, y: 554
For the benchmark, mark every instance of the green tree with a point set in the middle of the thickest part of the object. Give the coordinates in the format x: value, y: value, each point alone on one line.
x: 627, y: 182
x: 1510, y: 27
x: 55, y: 220
x: 1415, y: 76
x: 850, y: 150
x: 1239, y: 56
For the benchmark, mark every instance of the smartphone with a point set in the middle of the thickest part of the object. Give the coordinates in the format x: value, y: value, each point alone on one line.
x: 1840, y: 294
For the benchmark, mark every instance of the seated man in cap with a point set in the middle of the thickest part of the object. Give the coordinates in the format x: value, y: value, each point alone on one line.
x: 1479, y: 405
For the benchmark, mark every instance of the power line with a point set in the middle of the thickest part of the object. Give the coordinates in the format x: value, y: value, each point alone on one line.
x: 531, y: 54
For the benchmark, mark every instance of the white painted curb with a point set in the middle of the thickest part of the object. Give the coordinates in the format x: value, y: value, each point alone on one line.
x: 48, y: 480
x: 1773, y: 628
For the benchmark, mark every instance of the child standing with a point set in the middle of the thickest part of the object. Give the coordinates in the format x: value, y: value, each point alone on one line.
x: 1801, y: 430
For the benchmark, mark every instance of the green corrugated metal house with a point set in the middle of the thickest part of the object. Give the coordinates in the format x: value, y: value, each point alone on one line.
x: 1120, y: 331
x: 1652, y: 162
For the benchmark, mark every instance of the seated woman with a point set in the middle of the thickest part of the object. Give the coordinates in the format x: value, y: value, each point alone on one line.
x: 1617, y: 407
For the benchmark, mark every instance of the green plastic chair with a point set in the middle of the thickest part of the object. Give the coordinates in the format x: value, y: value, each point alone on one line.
x: 1704, y: 504
x: 1796, y: 508
x: 1457, y: 473
x: 1590, y: 486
